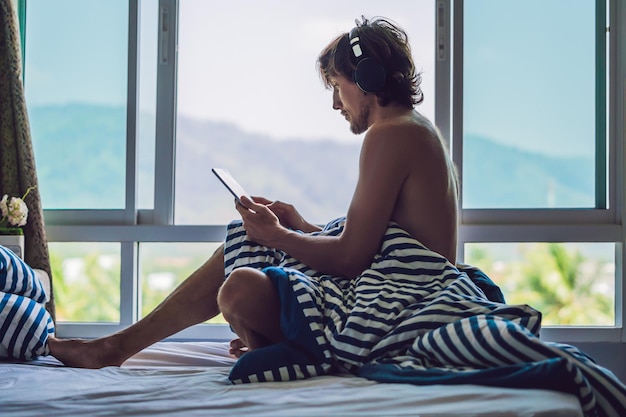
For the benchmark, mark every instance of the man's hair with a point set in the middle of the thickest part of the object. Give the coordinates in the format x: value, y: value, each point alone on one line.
x: 388, y: 44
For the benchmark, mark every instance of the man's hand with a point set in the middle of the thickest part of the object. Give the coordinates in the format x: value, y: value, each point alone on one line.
x: 291, y: 218
x: 287, y: 214
x: 260, y: 222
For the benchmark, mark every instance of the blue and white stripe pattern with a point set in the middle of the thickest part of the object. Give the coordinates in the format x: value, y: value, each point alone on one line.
x: 25, y: 324
x: 410, y: 317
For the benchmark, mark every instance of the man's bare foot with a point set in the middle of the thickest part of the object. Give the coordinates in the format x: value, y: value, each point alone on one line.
x: 237, y: 348
x: 92, y: 354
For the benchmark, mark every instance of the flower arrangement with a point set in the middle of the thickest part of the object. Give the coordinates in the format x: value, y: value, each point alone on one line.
x: 14, y: 214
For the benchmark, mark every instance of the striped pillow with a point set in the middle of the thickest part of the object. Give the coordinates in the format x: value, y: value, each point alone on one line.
x: 25, y: 324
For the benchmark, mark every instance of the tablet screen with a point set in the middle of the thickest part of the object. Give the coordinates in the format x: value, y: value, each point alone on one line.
x: 230, y: 183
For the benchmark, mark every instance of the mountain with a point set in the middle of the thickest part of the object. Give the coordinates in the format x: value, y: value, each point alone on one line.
x: 80, y: 155
x: 63, y: 138
x: 506, y: 177
x: 317, y: 176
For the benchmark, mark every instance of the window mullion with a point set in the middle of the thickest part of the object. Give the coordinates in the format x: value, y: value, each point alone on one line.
x: 132, y: 114
x: 457, y: 97
x: 443, y: 67
x: 21, y: 15
x: 165, y: 152
x: 617, y: 133
x: 601, y: 200
x: 129, y: 302
x: 129, y: 286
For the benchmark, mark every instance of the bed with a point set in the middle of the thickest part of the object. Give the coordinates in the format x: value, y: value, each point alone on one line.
x: 414, y: 335
x: 191, y: 378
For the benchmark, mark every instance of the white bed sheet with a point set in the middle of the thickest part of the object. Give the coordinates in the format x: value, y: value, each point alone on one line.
x: 191, y: 378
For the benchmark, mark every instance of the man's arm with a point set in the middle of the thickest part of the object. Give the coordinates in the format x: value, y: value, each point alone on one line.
x: 382, y: 170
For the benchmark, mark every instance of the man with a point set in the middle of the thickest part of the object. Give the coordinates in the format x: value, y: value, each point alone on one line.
x: 405, y: 177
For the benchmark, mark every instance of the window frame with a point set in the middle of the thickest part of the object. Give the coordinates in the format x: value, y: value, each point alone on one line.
x: 131, y: 226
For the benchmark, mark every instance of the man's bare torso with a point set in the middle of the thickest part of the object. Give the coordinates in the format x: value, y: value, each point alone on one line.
x: 426, y: 204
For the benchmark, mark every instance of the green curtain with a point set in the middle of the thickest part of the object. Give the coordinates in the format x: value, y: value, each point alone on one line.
x: 17, y: 159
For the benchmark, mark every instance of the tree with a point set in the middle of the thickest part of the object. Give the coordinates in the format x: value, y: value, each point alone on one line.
x: 556, y: 280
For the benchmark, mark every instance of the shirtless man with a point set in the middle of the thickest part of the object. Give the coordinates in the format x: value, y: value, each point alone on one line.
x: 405, y: 176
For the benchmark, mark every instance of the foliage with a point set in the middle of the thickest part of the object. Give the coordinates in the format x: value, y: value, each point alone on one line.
x: 179, y: 260
x: 89, y: 293
x: 556, y: 280
x: 559, y: 282
x: 88, y: 289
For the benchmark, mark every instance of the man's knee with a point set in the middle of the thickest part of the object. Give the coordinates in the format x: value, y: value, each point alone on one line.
x: 235, y: 290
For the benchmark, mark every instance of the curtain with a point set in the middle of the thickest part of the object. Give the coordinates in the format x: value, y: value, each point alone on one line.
x: 17, y: 159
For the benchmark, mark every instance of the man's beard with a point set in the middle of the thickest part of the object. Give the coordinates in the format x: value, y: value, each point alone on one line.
x: 361, y: 123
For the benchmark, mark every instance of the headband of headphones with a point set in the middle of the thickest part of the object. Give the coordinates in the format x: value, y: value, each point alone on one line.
x: 369, y: 75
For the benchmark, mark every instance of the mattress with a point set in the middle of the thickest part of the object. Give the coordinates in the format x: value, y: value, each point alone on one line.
x: 191, y: 378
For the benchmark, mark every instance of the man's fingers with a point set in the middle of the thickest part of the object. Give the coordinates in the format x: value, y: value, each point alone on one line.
x: 261, y: 200
x: 250, y: 205
x: 246, y: 201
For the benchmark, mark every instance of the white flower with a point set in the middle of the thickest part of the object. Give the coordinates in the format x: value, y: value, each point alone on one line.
x: 3, y: 206
x: 17, y: 212
x: 14, y: 211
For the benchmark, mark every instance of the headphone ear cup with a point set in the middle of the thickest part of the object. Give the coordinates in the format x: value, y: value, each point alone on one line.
x: 370, y: 76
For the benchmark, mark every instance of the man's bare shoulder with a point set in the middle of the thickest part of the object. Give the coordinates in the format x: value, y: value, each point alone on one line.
x: 408, y: 131
x: 412, y: 147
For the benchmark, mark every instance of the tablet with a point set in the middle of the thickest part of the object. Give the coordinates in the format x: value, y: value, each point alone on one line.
x: 230, y: 183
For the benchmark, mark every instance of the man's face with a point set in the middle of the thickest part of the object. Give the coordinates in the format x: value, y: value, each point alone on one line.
x: 350, y: 101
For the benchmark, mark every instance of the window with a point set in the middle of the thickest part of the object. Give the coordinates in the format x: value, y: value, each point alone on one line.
x: 87, y: 281
x: 253, y: 102
x: 570, y: 283
x: 132, y: 103
x: 76, y: 88
x: 529, y: 105
x: 163, y: 266
x: 532, y: 140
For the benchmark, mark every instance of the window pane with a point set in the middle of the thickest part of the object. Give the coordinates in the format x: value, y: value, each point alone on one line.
x: 163, y: 266
x: 529, y: 104
x: 250, y: 100
x: 86, y: 281
x: 75, y: 77
x: 570, y: 283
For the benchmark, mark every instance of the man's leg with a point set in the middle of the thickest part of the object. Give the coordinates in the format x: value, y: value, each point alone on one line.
x: 250, y: 303
x: 193, y: 301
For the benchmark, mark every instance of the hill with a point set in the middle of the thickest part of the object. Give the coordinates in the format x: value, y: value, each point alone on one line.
x: 80, y: 153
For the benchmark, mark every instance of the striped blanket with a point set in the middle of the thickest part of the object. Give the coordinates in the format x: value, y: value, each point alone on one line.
x: 411, y: 317
x: 25, y: 324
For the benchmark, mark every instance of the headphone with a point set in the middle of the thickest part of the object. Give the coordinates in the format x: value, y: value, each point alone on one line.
x: 369, y: 74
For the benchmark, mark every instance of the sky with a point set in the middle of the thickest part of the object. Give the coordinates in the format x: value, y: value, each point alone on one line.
x: 529, y: 75
x: 255, y: 69
x: 252, y: 63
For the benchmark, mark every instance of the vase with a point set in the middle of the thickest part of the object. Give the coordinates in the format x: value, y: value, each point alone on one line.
x: 13, y: 242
